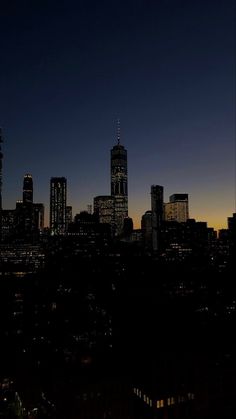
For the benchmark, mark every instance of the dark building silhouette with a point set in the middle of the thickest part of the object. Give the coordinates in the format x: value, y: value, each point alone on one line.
x: 128, y: 226
x: 232, y: 224
x: 232, y: 235
x: 146, y: 226
x: 24, y: 213
x: 157, y: 214
x: 23, y: 220
x: 119, y: 184
x: 68, y: 216
x: 28, y: 189
x: 58, y: 191
x: 38, y: 217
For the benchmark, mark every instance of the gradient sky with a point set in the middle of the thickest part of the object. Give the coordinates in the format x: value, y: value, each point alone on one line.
x: 166, y: 68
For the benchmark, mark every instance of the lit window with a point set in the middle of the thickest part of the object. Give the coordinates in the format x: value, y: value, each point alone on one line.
x: 160, y: 403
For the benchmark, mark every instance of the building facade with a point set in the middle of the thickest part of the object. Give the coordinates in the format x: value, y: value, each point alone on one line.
x: 119, y: 185
x: 58, y: 192
x: 38, y: 217
x: 104, y: 207
x: 177, y: 209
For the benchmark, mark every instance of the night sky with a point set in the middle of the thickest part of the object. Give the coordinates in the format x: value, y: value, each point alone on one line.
x: 166, y: 68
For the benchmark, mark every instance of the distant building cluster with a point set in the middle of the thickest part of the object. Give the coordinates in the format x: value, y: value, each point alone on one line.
x: 166, y: 229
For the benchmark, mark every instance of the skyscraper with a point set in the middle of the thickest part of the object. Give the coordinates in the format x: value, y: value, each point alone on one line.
x: 28, y: 189
x: 157, y: 214
x: 24, y: 211
x: 58, y: 189
x: 119, y: 183
x: 38, y: 212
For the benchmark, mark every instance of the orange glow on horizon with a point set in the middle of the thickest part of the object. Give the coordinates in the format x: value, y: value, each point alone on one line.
x: 214, y: 223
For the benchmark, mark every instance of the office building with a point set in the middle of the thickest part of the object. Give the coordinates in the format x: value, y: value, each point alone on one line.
x: 104, y: 209
x: 177, y: 208
x: 28, y: 189
x: 58, y: 191
x: 119, y: 184
x: 38, y: 215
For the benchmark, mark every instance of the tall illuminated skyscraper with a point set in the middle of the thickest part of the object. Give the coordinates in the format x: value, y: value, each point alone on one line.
x: 58, y: 189
x: 119, y: 183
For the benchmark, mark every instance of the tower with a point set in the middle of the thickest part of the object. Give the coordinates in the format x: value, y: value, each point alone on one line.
x: 24, y: 211
x: 119, y: 183
x: 28, y: 189
x: 58, y: 190
x: 157, y: 214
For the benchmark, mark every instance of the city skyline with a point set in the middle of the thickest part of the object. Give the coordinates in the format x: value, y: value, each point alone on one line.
x: 167, y: 70
x: 137, y: 222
